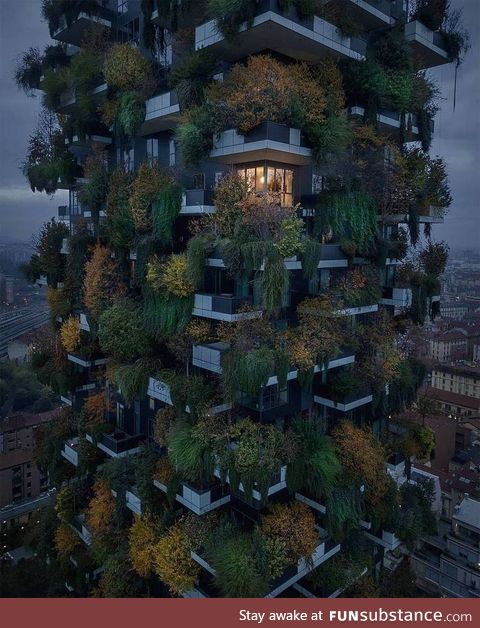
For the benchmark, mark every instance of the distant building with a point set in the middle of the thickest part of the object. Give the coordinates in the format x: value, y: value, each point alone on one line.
x: 460, y: 379
x: 20, y: 478
x: 449, y: 563
x: 453, y: 404
x: 9, y: 290
x: 447, y: 346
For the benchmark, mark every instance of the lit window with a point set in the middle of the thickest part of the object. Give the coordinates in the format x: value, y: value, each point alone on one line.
x: 122, y: 6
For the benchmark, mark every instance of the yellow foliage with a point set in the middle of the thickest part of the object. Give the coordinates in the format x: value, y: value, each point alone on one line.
x: 66, y: 541
x: 70, y: 333
x: 101, y: 284
x: 164, y: 471
x: 264, y: 89
x: 164, y: 418
x: 199, y: 330
x: 293, y: 526
x: 363, y: 458
x: 173, y: 562
x: 142, y: 539
x: 100, y: 512
x: 171, y: 275
x: 95, y: 408
x: 125, y: 67
x: 143, y: 191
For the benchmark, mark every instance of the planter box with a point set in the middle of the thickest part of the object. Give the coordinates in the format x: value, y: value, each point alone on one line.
x: 199, y: 501
x: 283, y: 32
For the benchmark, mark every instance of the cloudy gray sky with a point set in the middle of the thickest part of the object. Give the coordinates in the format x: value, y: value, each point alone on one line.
x: 457, y: 133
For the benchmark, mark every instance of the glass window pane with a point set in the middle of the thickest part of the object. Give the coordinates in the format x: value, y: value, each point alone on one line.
x: 260, y: 179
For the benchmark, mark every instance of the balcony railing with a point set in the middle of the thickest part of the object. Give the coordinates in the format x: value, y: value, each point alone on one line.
x: 427, y: 46
x: 119, y: 444
x: 79, y: 526
x: 162, y: 113
x: 269, y: 140
x: 209, y: 357
x: 222, y: 307
x: 200, y: 500
x: 325, y: 396
x: 72, y: 29
x: 70, y: 450
x: 195, y: 202
x: 284, y: 32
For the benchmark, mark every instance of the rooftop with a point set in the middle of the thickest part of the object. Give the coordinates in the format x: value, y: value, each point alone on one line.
x: 453, y: 398
x: 468, y: 511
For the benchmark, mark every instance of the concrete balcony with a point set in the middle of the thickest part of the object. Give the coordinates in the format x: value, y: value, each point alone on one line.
x: 76, y: 358
x: 133, y: 501
x: 222, y: 307
x: 65, y: 250
x: 200, y: 501
x: 386, y: 539
x: 119, y: 444
x: 371, y: 14
x: 162, y: 113
x: 68, y: 101
x: 399, y: 298
x: 84, y: 323
x: 79, y: 526
x: 70, y: 450
x: 269, y: 141
x: 283, y: 32
x: 197, y: 202
x: 357, y: 310
x: 209, y: 357
x: 323, y: 552
x: 324, y: 396
x: 390, y: 124
x: 73, y: 31
x: 432, y: 215
x: 277, y: 484
x: 428, y: 47
x: 101, y: 137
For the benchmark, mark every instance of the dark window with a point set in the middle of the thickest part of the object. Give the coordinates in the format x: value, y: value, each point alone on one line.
x: 199, y: 181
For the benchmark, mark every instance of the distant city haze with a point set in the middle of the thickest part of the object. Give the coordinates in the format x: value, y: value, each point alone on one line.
x: 456, y: 138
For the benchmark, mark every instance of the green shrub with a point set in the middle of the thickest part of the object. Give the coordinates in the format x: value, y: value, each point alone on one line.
x: 121, y: 332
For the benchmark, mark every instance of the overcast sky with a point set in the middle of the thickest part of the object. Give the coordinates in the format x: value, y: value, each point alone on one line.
x: 457, y: 133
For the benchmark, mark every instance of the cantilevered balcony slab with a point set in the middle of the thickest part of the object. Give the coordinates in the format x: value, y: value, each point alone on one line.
x: 70, y: 450
x: 200, y: 500
x: 324, y: 397
x: 222, y: 307
x: 325, y: 550
x: 197, y: 203
x: 73, y: 31
x: 371, y: 14
x: 118, y: 444
x: 79, y: 526
x: 268, y: 141
x: 428, y: 47
x: 429, y: 215
x: 285, y: 33
x: 81, y: 360
x: 209, y: 357
x: 133, y: 501
x: 162, y: 113
x: 389, y: 122
x: 397, y: 297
